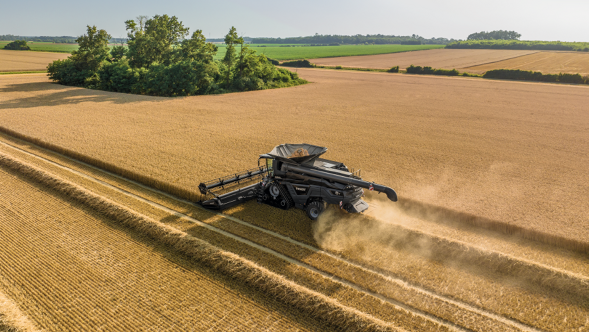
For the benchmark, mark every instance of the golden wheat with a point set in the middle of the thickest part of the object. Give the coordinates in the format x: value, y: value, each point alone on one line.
x: 27, y: 61
x: 406, y: 142
x: 313, y: 303
x: 545, y: 62
x: 439, y: 58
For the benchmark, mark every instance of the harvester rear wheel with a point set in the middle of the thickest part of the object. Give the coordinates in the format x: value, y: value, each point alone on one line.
x: 314, y: 210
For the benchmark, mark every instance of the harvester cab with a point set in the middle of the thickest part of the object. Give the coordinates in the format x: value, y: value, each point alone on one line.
x: 294, y: 175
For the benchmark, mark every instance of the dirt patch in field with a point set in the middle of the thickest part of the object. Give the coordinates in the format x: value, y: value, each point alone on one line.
x: 544, y: 62
x: 439, y: 58
x: 26, y: 60
x: 507, y: 151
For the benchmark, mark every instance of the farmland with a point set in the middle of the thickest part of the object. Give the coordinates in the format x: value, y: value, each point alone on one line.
x: 179, y: 154
x: 544, y: 62
x: 112, y: 273
x: 475, y: 61
x: 47, y: 47
x: 462, y: 280
x: 13, y: 61
x: 274, y: 51
x: 489, y: 233
x: 441, y: 58
x: 290, y: 52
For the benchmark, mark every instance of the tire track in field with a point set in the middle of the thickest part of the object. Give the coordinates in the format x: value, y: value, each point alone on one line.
x: 458, y: 304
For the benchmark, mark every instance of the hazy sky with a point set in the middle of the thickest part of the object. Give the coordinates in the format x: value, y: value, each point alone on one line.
x: 564, y: 20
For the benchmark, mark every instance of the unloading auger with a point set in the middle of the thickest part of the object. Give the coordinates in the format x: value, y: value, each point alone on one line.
x: 293, y: 175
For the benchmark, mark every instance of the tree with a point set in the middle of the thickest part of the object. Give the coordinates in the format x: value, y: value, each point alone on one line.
x: 93, y: 49
x: 19, y: 45
x: 196, y: 48
x: 497, y: 34
x: 118, y: 52
x: 156, y: 42
x: 230, y: 40
x: 141, y: 19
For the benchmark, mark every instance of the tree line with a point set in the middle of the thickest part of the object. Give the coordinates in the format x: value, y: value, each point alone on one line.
x: 497, y: 34
x: 162, y: 59
x: 356, y: 39
x: 521, y: 45
x: 50, y: 39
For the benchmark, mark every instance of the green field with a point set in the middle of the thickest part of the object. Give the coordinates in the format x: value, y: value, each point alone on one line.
x: 47, y: 47
x: 279, y: 52
x: 274, y: 51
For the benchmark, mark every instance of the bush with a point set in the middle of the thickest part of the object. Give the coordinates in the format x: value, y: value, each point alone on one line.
x: 395, y: 69
x: 18, y: 45
x: 338, y: 67
x: 274, y: 62
x: 118, y: 77
x: 181, y: 79
x: 522, y: 75
x: 431, y: 71
x: 411, y: 42
x: 299, y: 64
x: 117, y: 53
x: 65, y: 72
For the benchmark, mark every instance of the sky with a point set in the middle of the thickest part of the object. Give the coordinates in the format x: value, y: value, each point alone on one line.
x: 564, y: 20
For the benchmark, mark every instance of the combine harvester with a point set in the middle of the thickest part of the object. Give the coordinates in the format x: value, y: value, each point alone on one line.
x: 293, y: 175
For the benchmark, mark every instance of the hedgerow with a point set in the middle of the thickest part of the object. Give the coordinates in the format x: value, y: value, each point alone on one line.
x: 431, y: 71
x: 523, y: 75
x: 520, y: 45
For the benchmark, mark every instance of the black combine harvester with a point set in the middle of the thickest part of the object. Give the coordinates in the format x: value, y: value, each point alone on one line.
x: 293, y: 175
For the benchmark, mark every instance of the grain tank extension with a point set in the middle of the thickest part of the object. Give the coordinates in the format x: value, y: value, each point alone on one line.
x: 293, y: 175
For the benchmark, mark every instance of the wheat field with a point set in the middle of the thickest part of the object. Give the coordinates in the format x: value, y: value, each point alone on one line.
x: 68, y: 268
x: 544, y: 62
x: 537, y: 306
x: 511, y: 153
x: 27, y: 61
x: 439, y: 58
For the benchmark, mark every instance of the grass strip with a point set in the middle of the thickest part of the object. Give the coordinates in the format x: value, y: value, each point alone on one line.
x: 22, y: 72
x: 312, y: 303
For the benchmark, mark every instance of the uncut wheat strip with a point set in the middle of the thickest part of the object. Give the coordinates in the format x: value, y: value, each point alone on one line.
x: 419, y: 208
x: 315, y: 304
x: 13, y: 318
x: 444, y: 249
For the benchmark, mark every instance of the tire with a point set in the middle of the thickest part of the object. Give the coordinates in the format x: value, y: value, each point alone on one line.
x: 314, y: 210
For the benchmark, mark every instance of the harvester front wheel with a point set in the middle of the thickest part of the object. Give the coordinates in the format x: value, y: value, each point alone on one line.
x: 314, y: 210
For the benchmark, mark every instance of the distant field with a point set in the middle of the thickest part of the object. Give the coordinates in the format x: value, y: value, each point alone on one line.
x: 440, y: 58
x: 309, y: 52
x: 47, y: 47
x: 521, y: 45
x: 274, y: 51
x: 544, y: 62
x: 18, y: 61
